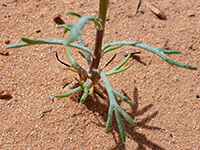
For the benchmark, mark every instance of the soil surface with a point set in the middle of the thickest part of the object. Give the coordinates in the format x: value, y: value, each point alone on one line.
x: 166, y: 106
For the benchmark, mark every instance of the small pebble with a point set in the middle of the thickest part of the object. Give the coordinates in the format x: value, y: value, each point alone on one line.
x: 4, y: 5
x: 142, y: 12
x: 171, y: 135
x: 4, y: 94
x: 38, y: 31
x: 57, y: 19
x: 191, y: 15
x: 7, y: 41
x: 4, y: 52
x: 198, y: 96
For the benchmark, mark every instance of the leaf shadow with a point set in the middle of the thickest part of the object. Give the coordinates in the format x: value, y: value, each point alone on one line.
x: 95, y: 105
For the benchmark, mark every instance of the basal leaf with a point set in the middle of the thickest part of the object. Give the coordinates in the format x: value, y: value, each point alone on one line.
x: 152, y: 49
x: 120, y: 125
x: 80, y: 88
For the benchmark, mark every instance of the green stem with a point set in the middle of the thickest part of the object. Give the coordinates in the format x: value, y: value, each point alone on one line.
x: 103, y: 6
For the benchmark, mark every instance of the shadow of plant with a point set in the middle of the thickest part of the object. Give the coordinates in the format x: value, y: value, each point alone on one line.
x: 93, y: 104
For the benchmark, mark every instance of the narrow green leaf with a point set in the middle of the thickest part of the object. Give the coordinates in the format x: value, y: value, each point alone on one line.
x: 17, y: 45
x: 42, y: 41
x: 111, y: 72
x: 66, y: 27
x: 86, y: 55
x: 122, y: 96
x: 92, y: 48
x: 169, y: 51
x: 110, y: 49
x: 125, y: 115
x: 80, y: 88
x: 65, y: 31
x: 122, y: 63
x: 116, y: 69
x: 97, y: 22
x: 84, y: 96
x: 29, y: 42
x: 110, y: 41
x: 80, y: 41
x: 120, y: 125
x: 73, y: 13
x: 76, y: 30
x: 74, y: 63
x: 81, y: 54
x: 109, y: 87
x: 86, y: 85
x: 83, y: 48
x: 152, y: 49
x: 109, y: 120
x: 46, y: 41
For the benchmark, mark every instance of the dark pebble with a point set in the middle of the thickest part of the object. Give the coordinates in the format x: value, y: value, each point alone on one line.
x: 7, y: 42
x: 4, y: 5
x: 57, y: 19
x: 38, y: 31
x: 4, y: 94
x: 142, y: 12
x: 198, y: 96
x: 4, y: 52
x: 191, y: 15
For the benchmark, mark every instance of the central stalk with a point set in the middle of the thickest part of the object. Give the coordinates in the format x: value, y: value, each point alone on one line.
x: 103, y: 6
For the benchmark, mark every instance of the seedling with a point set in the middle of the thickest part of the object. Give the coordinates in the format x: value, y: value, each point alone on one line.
x: 89, y: 78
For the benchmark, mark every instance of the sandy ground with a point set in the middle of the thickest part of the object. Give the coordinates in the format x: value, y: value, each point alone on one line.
x: 166, y: 106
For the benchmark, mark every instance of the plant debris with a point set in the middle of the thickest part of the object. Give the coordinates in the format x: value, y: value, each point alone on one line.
x: 51, y: 97
x: 156, y: 11
x: 138, y: 6
x: 132, y: 53
x: 44, y: 112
